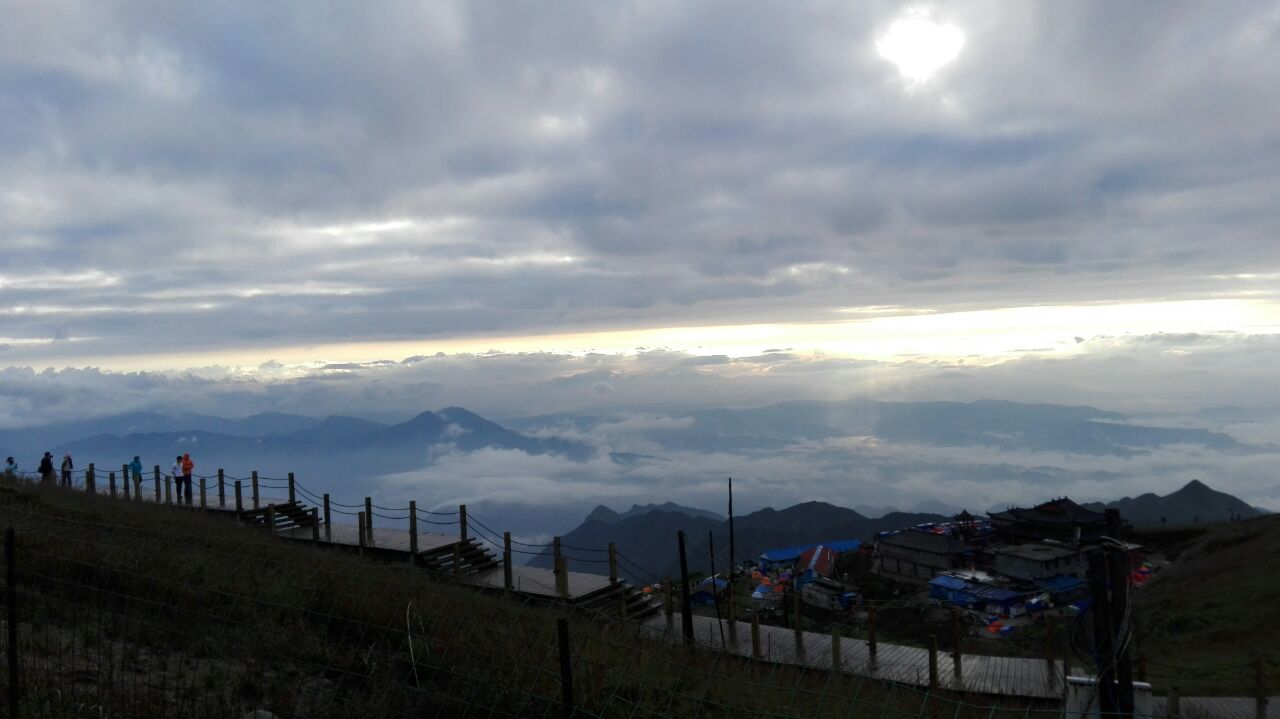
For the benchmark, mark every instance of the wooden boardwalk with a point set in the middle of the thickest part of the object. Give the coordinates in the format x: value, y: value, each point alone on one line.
x: 1008, y: 676
x: 1217, y: 707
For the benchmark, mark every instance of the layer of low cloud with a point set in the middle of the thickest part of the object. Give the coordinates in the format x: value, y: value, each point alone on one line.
x: 252, y: 175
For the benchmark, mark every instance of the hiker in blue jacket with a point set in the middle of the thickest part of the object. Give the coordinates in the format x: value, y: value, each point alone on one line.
x: 135, y: 468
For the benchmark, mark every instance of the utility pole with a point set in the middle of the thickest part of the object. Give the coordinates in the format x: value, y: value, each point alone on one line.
x: 1118, y: 571
x: 1102, y: 634
x: 686, y: 602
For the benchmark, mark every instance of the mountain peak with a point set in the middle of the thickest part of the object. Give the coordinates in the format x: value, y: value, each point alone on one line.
x: 1194, y: 485
x: 602, y: 514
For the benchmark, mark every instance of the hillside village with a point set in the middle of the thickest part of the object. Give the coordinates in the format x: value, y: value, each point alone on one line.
x: 1010, y: 568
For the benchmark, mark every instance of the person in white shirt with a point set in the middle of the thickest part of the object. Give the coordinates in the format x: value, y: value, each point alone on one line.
x: 176, y: 472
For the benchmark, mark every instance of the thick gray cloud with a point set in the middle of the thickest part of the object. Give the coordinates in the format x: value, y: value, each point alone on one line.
x: 256, y: 175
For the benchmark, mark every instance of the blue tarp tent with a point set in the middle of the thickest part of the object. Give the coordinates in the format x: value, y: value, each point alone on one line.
x: 704, y: 592
x: 791, y: 555
x: 957, y: 591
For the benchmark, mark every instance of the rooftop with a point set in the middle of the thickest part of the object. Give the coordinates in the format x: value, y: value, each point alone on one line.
x: 1056, y: 511
x: 928, y: 542
x: 1038, y: 551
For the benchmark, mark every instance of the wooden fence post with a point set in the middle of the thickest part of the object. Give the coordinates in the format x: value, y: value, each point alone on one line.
x: 239, y: 499
x: 90, y: 480
x: 360, y: 530
x: 253, y: 478
x: 796, y: 623
x: 368, y: 520
x: 168, y: 488
x: 203, y: 503
x: 126, y: 487
x: 1259, y: 689
x: 836, y: 656
x: 11, y: 607
x: 462, y: 520
x: 871, y: 629
x: 315, y: 525
x: 933, y: 661
x: 506, y: 561
x: 124, y: 479
x: 613, y: 563
x: 566, y: 667
x: 157, y: 477
x: 957, y: 642
x: 457, y: 560
x: 328, y: 531
x: 564, y: 579
x: 271, y: 518
x: 755, y: 636
x: 222, y: 488
x: 413, y: 531
x: 293, y: 497
x: 111, y: 484
x: 555, y: 559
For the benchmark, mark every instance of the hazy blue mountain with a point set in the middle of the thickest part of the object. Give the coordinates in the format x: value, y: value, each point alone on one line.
x: 990, y: 423
x: 1195, y: 501
x: 321, y: 448
x: 608, y: 516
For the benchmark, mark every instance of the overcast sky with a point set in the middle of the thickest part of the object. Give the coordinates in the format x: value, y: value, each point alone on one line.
x: 344, y: 207
x: 237, y: 182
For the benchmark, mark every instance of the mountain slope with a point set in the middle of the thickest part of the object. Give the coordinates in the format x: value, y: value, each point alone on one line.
x: 649, y: 539
x: 1213, y: 605
x: 1194, y: 503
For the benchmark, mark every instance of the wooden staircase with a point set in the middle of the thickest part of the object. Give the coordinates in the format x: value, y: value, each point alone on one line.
x: 472, y: 557
x: 287, y: 515
x: 613, y: 599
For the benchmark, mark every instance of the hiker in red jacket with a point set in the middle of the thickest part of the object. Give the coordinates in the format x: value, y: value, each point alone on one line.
x: 187, y: 466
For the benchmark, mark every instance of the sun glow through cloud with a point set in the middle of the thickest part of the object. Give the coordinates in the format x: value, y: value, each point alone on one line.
x: 981, y: 337
x: 919, y: 46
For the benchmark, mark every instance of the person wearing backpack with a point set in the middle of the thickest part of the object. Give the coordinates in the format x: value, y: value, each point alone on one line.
x: 46, y: 469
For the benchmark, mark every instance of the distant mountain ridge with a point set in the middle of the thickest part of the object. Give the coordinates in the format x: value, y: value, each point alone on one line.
x: 991, y: 423
x: 607, y: 516
x: 1194, y: 503
x: 647, y: 540
x: 279, y: 441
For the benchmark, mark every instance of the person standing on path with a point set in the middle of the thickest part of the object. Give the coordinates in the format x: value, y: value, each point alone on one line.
x: 11, y: 469
x: 187, y: 466
x: 135, y: 468
x: 67, y: 466
x: 176, y: 472
x: 46, y: 468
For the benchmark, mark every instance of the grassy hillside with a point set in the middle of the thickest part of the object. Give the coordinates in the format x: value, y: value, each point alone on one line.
x: 127, y: 610
x: 1203, y: 618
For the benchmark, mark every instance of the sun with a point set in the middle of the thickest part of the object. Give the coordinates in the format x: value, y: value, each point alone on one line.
x: 919, y: 46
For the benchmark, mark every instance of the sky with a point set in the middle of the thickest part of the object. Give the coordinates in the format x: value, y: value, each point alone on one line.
x: 230, y: 206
